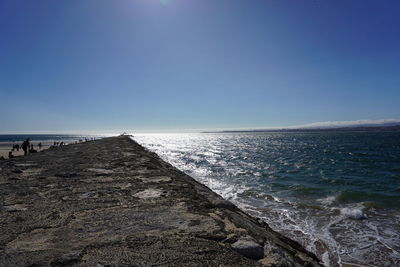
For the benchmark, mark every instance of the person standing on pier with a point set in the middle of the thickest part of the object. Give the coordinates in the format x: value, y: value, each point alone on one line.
x: 25, y: 146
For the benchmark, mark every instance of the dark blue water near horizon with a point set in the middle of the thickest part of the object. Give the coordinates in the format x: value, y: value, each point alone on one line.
x: 337, y: 193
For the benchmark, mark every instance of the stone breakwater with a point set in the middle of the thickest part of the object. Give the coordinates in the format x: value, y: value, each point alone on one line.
x: 110, y: 202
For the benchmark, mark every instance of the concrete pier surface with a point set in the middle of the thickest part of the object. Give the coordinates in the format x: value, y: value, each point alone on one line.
x: 111, y: 202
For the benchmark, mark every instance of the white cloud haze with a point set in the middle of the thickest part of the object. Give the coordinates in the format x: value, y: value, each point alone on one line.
x: 339, y: 124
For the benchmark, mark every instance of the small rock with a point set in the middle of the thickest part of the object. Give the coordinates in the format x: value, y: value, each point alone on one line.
x: 88, y: 195
x: 231, y: 238
x: 68, y: 258
x: 148, y: 193
x: 25, y: 165
x: 99, y: 171
x: 128, y: 154
x: 16, y: 207
x: 225, y: 204
x: 124, y: 186
x: 66, y: 175
x: 249, y: 248
x: 156, y: 179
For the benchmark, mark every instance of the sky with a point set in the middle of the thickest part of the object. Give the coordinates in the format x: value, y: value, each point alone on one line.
x: 188, y: 65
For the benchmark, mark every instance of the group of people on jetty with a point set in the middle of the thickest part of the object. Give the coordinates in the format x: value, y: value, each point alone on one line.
x: 29, y: 148
x: 26, y: 146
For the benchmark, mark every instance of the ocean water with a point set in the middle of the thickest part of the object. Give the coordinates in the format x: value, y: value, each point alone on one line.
x: 336, y: 193
x: 6, y: 138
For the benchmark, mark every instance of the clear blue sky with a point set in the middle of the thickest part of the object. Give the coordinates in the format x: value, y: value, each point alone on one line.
x: 102, y: 65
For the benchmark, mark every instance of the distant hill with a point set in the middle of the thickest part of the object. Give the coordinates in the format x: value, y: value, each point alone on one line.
x: 394, y: 128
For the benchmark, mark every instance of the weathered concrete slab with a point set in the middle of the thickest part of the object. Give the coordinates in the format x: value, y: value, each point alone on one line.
x: 112, y: 203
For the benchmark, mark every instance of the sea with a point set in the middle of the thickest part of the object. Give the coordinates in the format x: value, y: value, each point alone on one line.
x: 336, y: 193
x: 18, y: 138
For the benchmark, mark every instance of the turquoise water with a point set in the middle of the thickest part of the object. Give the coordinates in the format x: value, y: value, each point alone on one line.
x: 337, y: 193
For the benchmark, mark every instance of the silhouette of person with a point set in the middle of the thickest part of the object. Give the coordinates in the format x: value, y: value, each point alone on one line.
x: 32, y: 150
x: 40, y: 146
x: 25, y: 146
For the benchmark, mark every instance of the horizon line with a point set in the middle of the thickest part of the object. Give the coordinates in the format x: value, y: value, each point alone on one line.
x: 313, y: 125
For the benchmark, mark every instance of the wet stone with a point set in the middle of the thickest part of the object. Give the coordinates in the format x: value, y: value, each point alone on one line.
x: 249, y: 248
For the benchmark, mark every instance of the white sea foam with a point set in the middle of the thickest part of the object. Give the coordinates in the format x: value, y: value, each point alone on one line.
x: 353, y: 213
x: 325, y: 258
x: 328, y: 200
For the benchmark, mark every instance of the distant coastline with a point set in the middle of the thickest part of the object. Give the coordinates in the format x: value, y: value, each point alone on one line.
x: 395, y: 128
